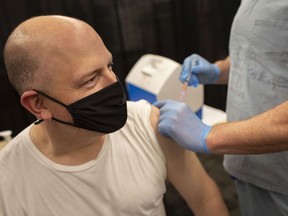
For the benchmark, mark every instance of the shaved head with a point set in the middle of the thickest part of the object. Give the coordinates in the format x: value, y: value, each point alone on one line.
x: 37, y: 48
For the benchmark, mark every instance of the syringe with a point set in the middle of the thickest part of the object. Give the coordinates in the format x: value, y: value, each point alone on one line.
x: 186, y: 82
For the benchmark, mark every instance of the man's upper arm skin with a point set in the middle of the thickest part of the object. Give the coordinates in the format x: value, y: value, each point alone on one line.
x: 187, y: 175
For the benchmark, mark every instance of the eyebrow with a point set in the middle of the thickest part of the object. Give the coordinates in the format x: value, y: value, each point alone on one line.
x: 86, y: 76
x: 81, y: 79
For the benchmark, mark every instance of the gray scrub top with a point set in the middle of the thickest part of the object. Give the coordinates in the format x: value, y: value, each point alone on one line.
x: 258, y: 81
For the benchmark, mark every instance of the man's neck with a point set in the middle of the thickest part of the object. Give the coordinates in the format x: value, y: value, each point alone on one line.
x: 71, y: 149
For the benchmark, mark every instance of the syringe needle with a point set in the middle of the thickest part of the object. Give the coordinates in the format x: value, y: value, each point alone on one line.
x: 183, y: 91
x: 186, y: 83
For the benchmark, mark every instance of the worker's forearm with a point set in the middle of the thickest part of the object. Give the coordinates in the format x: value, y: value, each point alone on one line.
x: 265, y: 133
x: 224, y: 66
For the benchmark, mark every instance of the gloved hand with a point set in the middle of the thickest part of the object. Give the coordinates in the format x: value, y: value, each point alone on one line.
x: 180, y: 123
x: 203, y: 72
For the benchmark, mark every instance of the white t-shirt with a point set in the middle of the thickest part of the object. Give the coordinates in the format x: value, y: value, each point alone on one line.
x: 127, y: 177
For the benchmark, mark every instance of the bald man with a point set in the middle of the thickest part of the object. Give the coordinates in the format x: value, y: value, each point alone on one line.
x: 90, y: 152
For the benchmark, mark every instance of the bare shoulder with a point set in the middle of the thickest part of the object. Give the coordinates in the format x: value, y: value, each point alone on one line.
x: 154, y: 116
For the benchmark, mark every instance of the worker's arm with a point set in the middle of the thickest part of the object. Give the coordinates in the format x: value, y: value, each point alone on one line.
x: 224, y: 67
x: 264, y: 133
x: 187, y: 175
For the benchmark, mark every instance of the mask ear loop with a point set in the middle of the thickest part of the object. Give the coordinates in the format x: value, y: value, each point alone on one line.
x: 38, y: 121
x: 50, y: 98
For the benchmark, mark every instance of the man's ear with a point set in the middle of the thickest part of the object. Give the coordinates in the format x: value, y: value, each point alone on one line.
x: 32, y: 101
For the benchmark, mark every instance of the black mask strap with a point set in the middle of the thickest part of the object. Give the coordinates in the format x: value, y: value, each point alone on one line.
x: 63, y: 122
x: 38, y: 121
x: 56, y: 101
x: 51, y: 98
x: 55, y: 119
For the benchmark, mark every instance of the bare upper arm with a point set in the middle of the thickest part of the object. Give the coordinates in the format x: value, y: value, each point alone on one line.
x: 184, y: 170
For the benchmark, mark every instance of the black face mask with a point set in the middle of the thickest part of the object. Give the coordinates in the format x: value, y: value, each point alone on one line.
x: 104, y: 111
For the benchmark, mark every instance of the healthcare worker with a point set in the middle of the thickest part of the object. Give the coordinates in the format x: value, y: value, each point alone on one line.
x: 256, y: 135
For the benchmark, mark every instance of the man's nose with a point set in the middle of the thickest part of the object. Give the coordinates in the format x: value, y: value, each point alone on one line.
x: 111, y: 76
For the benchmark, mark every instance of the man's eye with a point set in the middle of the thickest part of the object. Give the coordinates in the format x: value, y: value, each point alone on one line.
x: 90, y: 82
x: 92, y: 79
x: 110, y: 66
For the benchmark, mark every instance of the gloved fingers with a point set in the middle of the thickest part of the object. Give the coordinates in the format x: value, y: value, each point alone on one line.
x: 188, y: 68
x: 161, y: 103
x: 194, y: 81
x: 198, y: 69
x: 185, y: 70
x: 175, y: 113
x: 168, y: 115
x: 164, y: 127
x: 173, y: 106
x: 168, y: 126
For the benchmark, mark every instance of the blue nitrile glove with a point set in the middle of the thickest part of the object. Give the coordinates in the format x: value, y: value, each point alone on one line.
x: 203, y: 71
x: 180, y: 123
